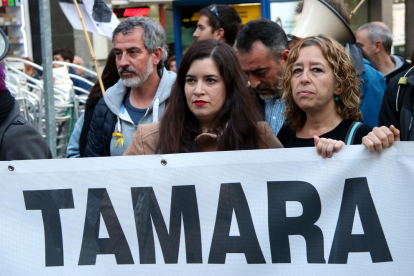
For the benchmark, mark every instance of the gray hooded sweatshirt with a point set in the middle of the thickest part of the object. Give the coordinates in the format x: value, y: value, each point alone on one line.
x: 125, y: 128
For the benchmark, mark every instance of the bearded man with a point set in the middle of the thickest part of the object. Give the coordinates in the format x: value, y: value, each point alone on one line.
x: 141, y: 94
x: 262, y: 49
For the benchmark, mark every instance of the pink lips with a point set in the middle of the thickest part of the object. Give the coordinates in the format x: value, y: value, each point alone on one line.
x: 304, y: 93
x: 199, y: 103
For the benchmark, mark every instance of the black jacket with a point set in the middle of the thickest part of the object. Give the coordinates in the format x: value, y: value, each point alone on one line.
x: 21, y: 141
x: 397, y: 106
x: 83, y: 139
x: 101, y: 129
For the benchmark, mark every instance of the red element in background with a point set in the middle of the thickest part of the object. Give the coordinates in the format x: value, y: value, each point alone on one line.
x: 136, y: 12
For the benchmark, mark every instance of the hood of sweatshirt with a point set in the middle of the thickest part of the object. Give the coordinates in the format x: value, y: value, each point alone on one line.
x: 398, y: 61
x: 115, y: 95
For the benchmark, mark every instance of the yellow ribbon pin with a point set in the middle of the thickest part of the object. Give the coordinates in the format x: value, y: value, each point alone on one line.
x: 402, y: 80
x: 120, y: 139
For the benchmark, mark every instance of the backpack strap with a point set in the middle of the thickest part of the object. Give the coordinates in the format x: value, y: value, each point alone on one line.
x: 402, y: 82
x: 350, y: 135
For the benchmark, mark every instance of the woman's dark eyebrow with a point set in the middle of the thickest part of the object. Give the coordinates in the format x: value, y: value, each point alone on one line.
x: 211, y: 75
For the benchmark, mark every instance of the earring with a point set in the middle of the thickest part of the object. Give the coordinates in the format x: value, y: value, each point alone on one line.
x: 336, y: 98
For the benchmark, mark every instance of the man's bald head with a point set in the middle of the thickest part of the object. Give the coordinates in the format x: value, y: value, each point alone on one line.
x: 78, y: 61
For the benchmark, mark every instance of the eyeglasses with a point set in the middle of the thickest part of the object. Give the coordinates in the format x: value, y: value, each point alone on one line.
x: 214, y: 11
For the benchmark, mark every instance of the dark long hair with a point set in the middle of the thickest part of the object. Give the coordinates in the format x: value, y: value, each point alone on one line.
x: 237, y: 119
x: 109, y: 77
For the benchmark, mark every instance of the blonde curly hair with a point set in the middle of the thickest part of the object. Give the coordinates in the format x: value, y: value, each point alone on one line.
x: 345, y: 73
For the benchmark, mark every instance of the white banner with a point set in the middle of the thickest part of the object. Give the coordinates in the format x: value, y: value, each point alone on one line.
x: 262, y: 212
x: 98, y: 18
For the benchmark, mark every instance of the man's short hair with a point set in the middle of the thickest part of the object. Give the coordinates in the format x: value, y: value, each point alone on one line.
x: 153, y: 36
x: 66, y: 53
x: 265, y: 31
x: 376, y: 33
x: 223, y: 16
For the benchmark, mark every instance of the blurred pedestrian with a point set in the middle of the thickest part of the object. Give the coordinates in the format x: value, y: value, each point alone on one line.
x: 219, y: 22
x: 375, y: 39
x: 66, y: 54
x: 30, y: 70
x: 171, y: 64
x: 79, y: 61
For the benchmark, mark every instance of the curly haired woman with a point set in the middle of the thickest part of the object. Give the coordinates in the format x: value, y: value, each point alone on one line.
x: 322, y: 95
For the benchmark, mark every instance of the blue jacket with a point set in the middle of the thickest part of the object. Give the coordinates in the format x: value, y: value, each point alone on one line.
x: 78, y: 83
x: 372, y: 92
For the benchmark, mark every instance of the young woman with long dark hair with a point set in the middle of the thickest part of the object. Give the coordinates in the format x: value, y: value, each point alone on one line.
x: 210, y: 108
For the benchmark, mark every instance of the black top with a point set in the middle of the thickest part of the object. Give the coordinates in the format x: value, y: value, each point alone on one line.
x: 289, y: 140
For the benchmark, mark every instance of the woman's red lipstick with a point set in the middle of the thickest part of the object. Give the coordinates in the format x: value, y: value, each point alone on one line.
x: 199, y: 103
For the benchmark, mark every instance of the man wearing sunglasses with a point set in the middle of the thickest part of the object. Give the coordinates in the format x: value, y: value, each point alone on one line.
x: 219, y: 22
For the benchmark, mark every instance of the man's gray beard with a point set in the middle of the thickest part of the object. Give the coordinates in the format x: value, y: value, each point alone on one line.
x: 138, y: 80
x: 270, y: 96
x: 277, y: 93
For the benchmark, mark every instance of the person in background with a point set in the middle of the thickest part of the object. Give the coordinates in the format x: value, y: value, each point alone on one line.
x: 262, y: 50
x: 210, y: 108
x: 30, y: 70
x: 79, y: 138
x: 141, y: 94
x: 375, y: 39
x: 322, y: 95
x: 397, y: 107
x: 79, y: 61
x: 67, y: 55
x: 219, y: 22
x: 18, y: 139
x: 171, y: 64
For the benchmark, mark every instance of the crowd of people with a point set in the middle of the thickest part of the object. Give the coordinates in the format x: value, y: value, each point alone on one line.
x: 268, y: 91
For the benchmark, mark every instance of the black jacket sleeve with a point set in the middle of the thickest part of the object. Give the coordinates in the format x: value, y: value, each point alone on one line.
x: 388, y: 114
x: 83, y: 140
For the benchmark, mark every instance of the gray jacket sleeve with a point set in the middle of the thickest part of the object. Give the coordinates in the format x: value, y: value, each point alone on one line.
x: 22, y: 141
